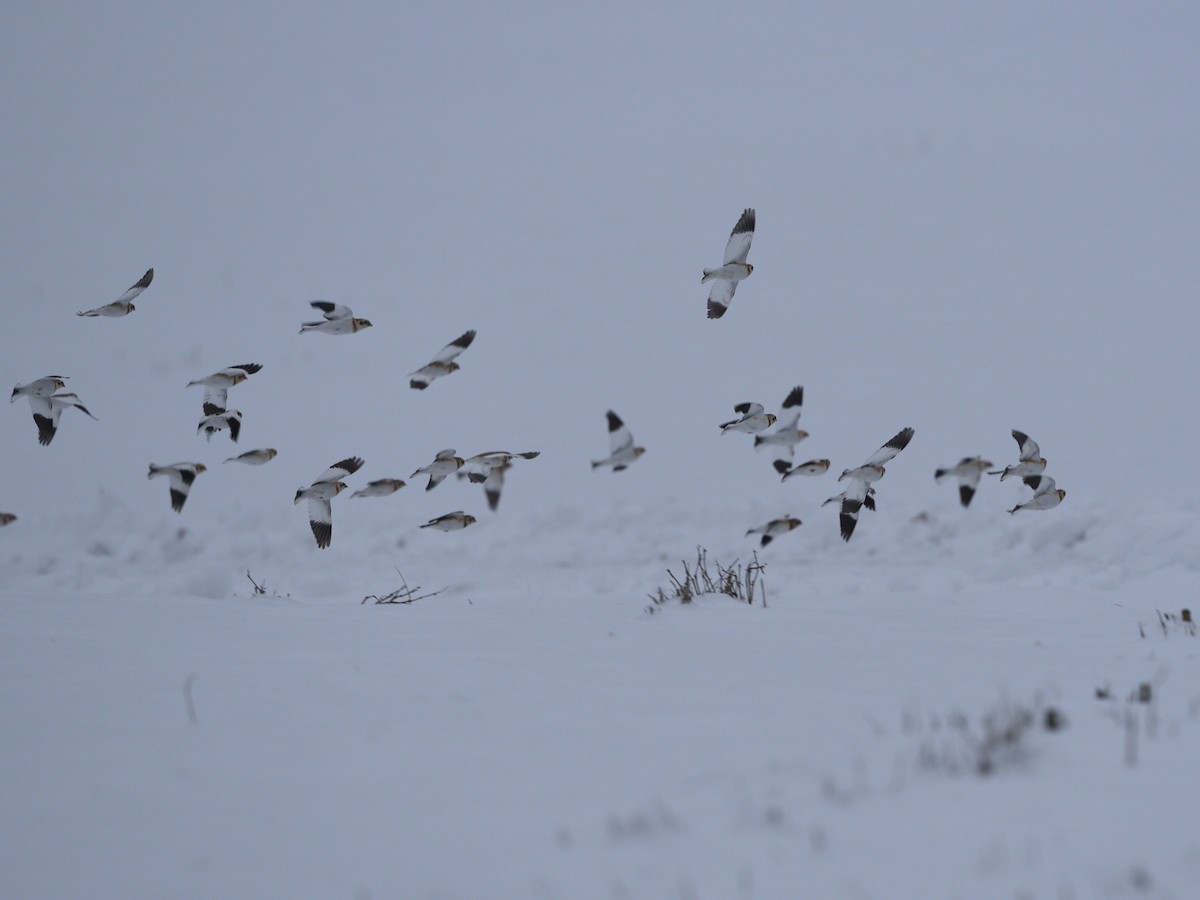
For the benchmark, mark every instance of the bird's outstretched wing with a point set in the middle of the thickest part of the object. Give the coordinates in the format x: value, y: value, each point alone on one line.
x: 455, y: 347
x: 1028, y: 446
x: 340, y: 470
x: 739, y: 240
x: 331, y: 311
x: 889, y: 450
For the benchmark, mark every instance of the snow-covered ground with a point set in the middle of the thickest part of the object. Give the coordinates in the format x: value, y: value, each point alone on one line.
x: 534, y: 731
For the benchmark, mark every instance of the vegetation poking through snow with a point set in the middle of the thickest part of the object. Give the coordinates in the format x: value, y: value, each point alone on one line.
x: 401, y: 595
x: 743, y: 583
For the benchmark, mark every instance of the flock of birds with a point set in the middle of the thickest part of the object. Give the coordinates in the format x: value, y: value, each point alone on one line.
x: 48, y: 400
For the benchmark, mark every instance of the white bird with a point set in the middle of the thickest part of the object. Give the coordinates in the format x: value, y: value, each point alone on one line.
x: 787, y: 433
x: 967, y: 471
x: 320, y: 492
x: 493, y: 483
x: 734, y: 268
x: 858, y: 491
x: 379, y: 488
x: 443, y: 363
x: 47, y: 410
x: 868, y: 501
x: 7, y: 519
x: 338, y: 319
x: 123, y: 305
x: 454, y: 521
x: 809, y: 468
x: 255, y: 457
x: 179, y: 478
x: 774, y: 528
x: 217, y: 385
x: 481, y: 465
x: 445, y: 463
x: 1045, y: 494
x: 217, y: 418
x: 753, y: 418
x: 620, y: 442
x: 41, y: 387
x: 1030, y: 461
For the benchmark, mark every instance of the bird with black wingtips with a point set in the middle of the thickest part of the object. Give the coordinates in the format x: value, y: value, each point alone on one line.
x: 787, y: 433
x: 319, y: 494
x: 48, y: 409
x: 179, y: 477
x: 858, y: 491
x: 123, y: 305
x: 217, y: 418
x: 622, y: 452
x: 725, y: 277
x: 774, y: 528
x: 443, y: 363
x: 454, y: 521
x: 1045, y: 494
x: 337, y: 319
x: 217, y: 385
x: 1030, y: 461
x: 479, y: 466
x: 39, y: 387
x: 967, y: 471
x: 753, y: 418
x: 7, y: 519
x: 445, y: 463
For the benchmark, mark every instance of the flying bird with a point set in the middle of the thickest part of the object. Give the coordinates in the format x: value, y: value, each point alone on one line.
x: 48, y: 408
x: 443, y: 363
x: 734, y: 268
x: 379, y: 488
x: 255, y: 457
x: 217, y: 385
x: 620, y: 442
x: 481, y: 464
x: 455, y: 521
x: 179, y: 478
x: 338, y: 319
x: 123, y: 305
x: 774, y: 528
x: 445, y: 463
x: 811, y: 467
x: 868, y: 501
x: 217, y: 418
x: 967, y: 472
x: 858, y: 491
x: 753, y: 418
x: 320, y: 492
x: 1045, y: 494
x: 1030, y: 459
x: 493, y: 483
x: 7, y: 519
x: 787, y: 433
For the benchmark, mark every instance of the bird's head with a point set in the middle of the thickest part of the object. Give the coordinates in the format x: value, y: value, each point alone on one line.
x: 468, y: 520
x: 1062, y: 495
x: 771, y: 417
x: 452, y: 367
x: 362, y: 323
x: 339, y: 486
x: 749, y: 269
x: 201, y: 467
x: 638, y: 451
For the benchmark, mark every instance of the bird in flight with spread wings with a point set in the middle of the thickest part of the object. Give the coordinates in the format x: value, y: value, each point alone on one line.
x: 861, y: 478
x: 123, y: 305
x: 725, y: 278
x: 443, y: 363
x: 620, y: 442
x: 1030, y: 462
x: 338, y: 319
x: 327, y: 486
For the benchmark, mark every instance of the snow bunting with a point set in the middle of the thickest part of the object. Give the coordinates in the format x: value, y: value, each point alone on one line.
x: 753, y: 418
x: 967, y: 472
x: 868, y: 501
x: 493, y: 483
x: 620, y: 443
x: 123, y: 305
x: 255, y: 457
x: 445, y: 463
x: 179, y: 478
x: 454, y: 521
x: 481, y: 465
x: 774, y: 528
x: 217, y: 385
x: 812, y: 467
x: 42, y: 387
x: 7, y: 519
x: 1045, y: 494
x: 320, y: 492
x: 217, y: 418
x: 338, y: 319
x: 443, y: 363
x: 48, y: 409
x: 379, y: 488
x: 787, y: 434
x: 858, y: 491
x: 735, y: 268
x: 1030, y: 459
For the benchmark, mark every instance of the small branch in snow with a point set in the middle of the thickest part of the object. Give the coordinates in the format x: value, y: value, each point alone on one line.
x: 403, y: 595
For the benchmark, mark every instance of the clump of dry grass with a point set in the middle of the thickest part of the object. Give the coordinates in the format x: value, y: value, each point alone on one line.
x: 743, y: 583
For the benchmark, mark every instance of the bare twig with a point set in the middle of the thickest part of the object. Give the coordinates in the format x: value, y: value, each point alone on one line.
x: 258, y: 588
x: 403, y: 595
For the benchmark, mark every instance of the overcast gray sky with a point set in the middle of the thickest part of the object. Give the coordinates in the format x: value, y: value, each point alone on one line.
x: 970, y: 218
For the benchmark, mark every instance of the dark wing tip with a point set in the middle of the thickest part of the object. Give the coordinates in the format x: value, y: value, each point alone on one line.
x: 869, y: 503
x: 1032, y: 481
x: 794, y: 398
x: 900, y: 441
x: 211, y: 409
x: 848, y: 523
x: 235, y: 427
x: 766, y: 539
x: 418, y: 385
x: 781, y: 466
x: 965, y: 493
x: 493, y: 499
x: 745, y: 223
x: 146, y: 279
x: 46, y: 429
x: 614, y: 421
x: 248, y: 368
x: 323, y: 305
x: 323, y: 532
x: 1019, y: 436
x: 350, y: 464
x: 178, y: 498
x: 187, y: 476
x: 464, y: 340
x: 742, y: 408
x: 715, y: 309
